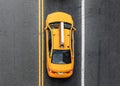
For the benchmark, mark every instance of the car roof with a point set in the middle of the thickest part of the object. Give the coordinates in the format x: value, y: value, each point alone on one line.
x: 59, y: 17
x: 56, y: 39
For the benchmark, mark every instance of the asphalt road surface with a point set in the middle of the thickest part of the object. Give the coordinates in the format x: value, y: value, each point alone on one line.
x: 102, y: 43
x: 19, y: 42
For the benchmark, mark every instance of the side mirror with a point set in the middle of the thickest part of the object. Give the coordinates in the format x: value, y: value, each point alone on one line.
x: 74, y: 29
x: 46, y: 28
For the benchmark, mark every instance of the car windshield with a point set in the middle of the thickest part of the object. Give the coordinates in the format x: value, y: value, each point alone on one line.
x: 57, y: 25
x: 67, y: 25
x: 61, y: 57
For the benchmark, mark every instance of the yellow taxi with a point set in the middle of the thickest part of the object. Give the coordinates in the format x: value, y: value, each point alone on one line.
x: 59, y: 32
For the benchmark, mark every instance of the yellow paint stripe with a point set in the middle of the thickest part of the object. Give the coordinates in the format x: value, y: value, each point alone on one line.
x: 39, y: 43
x: 42, y: 42
x: 40, y: 55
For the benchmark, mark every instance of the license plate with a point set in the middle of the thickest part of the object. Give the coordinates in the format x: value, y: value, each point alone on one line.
x: 60, y: 73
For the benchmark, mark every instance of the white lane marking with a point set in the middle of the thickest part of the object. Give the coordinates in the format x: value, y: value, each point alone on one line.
x: 83, y: 43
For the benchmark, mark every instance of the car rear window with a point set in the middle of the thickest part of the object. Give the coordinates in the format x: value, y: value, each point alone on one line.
x: 61, y: 57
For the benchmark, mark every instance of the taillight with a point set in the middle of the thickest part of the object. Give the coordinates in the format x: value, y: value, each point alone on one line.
x: 51, y: 71
x: 69, y: 71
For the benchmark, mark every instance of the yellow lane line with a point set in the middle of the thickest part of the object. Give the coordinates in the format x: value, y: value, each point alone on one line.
x: 42, y: 42
x: 40, y: 37
x: 39, y: 43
